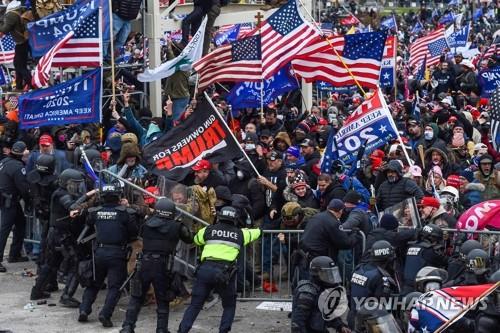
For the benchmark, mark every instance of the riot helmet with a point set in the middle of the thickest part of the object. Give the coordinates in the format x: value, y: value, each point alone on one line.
x: 229, y: 215
x: 323, y: 270
x: 18, y: 149
x: 242, y: 204
x: 467, y: 246
x: 111, y: 192
x: 495, y: 277
x: 382, y: 251
x: 478, y: 261
x: 94, y: 158
x: 45, y: 164
x: 430, y: 278
x: 165, y: 208
x: 292, y: 214
x: 373, y: 318
x: 72, y: 181
x: 432, y: 233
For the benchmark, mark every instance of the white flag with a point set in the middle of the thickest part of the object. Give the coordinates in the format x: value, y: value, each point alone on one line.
x: 191, y: 53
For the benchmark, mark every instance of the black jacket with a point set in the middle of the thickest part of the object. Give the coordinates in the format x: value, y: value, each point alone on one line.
x: 323, y: 236
x: 333, y: 191
x: 127, y: 9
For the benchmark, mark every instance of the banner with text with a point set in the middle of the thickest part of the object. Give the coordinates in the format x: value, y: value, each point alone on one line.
x: 489, y: 80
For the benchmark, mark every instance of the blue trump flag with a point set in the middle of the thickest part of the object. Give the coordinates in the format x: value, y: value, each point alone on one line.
x: 421, y: 71
x: 458, y: 38
x: 227, y: 36
x: 389, y: 23
x: 417, y: 28
x: 448, y: 18
x: 46, y: 32
x: 75, y: 101
x: 248, y: 94
x: 489, y: 80
x: 371, y: 126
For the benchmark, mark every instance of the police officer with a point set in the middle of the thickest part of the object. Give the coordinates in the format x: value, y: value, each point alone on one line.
x: 43, y: 182
x: 160, y: 235
x: 427, y: 252
x: 488, y: 320
x: 373, y: 318
x: 306, y: 315
x: 430, y: 278
x: 476, y: 269
x: 64, y: 229
x: 221, y: 243
x: 13, y: 187
x: 457, y: 264
x: 115, y: 227
x: 374, y: 278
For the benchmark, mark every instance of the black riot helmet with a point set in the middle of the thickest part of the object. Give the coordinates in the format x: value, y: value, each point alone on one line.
x: 467, y: 246
x: 382, y: 251
x: 323, y: 270
x: 45, y: 164
x: 111, y: 190
x: 94, y: 158
x: 430, y: 278
x: 495, y: 277
x: 432, y: 233
x: 18, y: 149
x: 72, y: 181
x: 478, y: 261
x: 165, y: 208
x: 229, y: 215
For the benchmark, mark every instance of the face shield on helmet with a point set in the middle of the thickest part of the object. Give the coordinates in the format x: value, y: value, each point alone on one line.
x: 330, y: 275
x: 76, y: 187
x: 382, y: 324
x: 431, y: 285
x: 477, y: 265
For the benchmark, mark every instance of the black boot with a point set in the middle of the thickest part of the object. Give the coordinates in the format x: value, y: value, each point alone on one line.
x: 106, y: 322
x: 2, y: 268
x: 127, y: 329
x: 162, y: 321
x: 37, y: 294
x: 68, y: 301
x: 51, y: 288
x: 83, y: 317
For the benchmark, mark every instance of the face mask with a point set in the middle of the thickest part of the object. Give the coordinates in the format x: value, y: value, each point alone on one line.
x: 250, y: 146
x: 392, y: 179
x: 428, y: 135
x: 153, y: 128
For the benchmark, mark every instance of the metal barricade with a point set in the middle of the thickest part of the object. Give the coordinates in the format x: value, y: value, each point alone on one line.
x: 488, y: 238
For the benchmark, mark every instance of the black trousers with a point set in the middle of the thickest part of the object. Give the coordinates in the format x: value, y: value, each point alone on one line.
x: 153, y: 271
x: 191, y: 23
x: 23, y: 75
x: 12, y: 219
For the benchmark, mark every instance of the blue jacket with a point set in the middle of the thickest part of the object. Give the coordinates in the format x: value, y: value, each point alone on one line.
x: 141, y: 132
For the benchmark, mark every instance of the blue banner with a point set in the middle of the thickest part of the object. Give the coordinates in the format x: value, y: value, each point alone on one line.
x: 46, y: 32
x: 328, y: 87
x: 389, y: 23
x: 248, y: 94
x: 458, y: 38
x: 227, y: 36
x: 489, y: 80
x: 75, y: 101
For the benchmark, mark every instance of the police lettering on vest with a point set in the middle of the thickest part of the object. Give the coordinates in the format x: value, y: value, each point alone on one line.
x: 359, y: 279
x: 225, y: 234
x: 106, y: 215
x: 413, y: 251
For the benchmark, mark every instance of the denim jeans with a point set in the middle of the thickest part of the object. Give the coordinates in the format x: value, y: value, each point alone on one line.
x: 267, y: 240
x: 121, y: 30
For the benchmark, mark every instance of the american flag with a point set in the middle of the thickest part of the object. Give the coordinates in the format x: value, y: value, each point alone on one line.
x: 284, y: 34
x: 492, y: 50
x: 238, y: 61
x: 327, y: 29
x: 432, y: 45
x: 7, y: 49
x: 362, y: 53
x: 495, y: 119
x: 41, y: 75
x: 84, y: 49
x: 244, y: 28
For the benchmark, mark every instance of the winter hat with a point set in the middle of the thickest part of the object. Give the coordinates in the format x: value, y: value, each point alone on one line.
x: 376, y: 162
x: 453, y: 180
x: 336, y: 205
x: 415, y: 171
x: 294, y: 151
x: 458, y: 140
x: 467, y: 174
x: 436, y: 169
x: 435, y: 129
x: 223, y: 193
x: 389, y: 222
x: 128, y: 150
x: 303, y: 127
x: 129, y: 137
x: 299, y: 180
x: 352, y: 197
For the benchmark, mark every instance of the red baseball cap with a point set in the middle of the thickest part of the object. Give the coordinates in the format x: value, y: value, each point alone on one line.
x: 45, y: 140
x: 201, y: 165
x: 430, y: 202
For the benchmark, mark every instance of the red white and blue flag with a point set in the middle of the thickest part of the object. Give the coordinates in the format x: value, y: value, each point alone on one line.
x: 7, y: 49
x: 432, y: 46
x: 388, y: 68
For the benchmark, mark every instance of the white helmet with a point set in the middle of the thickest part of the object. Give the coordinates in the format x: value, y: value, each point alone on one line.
x: 450, y: 191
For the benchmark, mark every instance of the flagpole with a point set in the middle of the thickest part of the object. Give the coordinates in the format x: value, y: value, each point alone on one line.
x: 459, y: 315
x: 394, y: 79
x: 101, y: 126
x: 298, y: 85
x: 333, y: 48
x: 111, y: 45
x: 231, y: 133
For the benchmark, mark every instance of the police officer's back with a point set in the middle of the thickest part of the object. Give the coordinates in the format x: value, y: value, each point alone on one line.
x: 13, y: 187
x: 427, y: 252
x: 160, y: 236
x: 115, y: 227
x: 306, y: 315
x: 488, y: 320
x: 221, y: 243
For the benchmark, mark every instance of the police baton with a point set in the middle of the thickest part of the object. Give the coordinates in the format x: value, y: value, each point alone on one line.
x: 137, y: 187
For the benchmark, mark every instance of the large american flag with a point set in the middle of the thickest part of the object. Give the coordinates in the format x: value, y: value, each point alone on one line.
x: 84, y: 49
x: 495, y: 119
x: 42, y: 73
x: 284, y: 34
x: 361, y: 52
x: 492, y: 50
x: 432, y: 45
x: 238, y: 61
x: 7, y: 49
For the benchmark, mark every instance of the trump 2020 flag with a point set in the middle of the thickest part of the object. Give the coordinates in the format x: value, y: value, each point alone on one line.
x: 435, y: 308
x: 190, y: 54
x: 457, y: 38
x: 489, y: 80
x: 203, y: 135
x: 495, y: 119
x: 75, y: 101
x: 84, y: 47
x: 388, y: 66
x: 371, y: 124
x: 248, y: 94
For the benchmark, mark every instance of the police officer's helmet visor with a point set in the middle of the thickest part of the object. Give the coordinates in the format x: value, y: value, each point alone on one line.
x: 330, y: 275
x: 432, y: 285
x: 382, y: 324
x: 76, y: 187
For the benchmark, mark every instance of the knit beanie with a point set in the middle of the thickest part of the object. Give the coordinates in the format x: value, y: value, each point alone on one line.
x: 467, y: 174
x: 294, y: 151
x: 389, y: 222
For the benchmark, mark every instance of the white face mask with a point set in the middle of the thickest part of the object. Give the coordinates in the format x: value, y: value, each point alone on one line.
x: 429, y: 135
x: 250, y: 146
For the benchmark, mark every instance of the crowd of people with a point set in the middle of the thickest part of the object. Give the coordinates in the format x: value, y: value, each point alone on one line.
x: 403, y: 197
